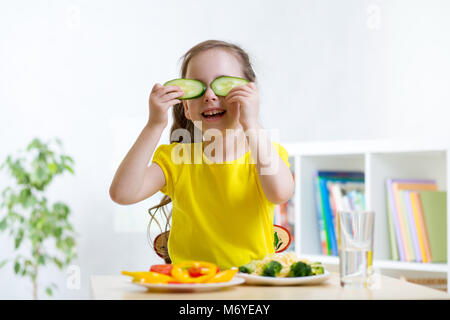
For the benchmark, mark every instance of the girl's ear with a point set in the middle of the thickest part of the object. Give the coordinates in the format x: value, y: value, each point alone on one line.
x: 186, y: 110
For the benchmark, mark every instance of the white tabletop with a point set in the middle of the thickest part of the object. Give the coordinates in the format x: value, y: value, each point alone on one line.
x: 118, y: 287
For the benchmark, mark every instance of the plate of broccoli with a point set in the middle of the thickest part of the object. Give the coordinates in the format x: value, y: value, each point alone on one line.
x: 274, y: 273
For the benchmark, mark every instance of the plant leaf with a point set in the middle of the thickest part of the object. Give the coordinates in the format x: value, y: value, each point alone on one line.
x: 35, y: 143
x: 24, y: 196
x: 53, y: 167
x: 2, y: 263
x: 69, y: 168
x: 3, y: 224
x: 7, y: 189
x: 58, y: 263
x: 49, y: 291
x: 41, y: 260
x: 65, y: 158
x: 16, y: 267
x: 18, y: 239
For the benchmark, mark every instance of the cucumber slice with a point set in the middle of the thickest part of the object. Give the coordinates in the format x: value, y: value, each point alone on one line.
x: 192, y: 88
x: 223, y: 85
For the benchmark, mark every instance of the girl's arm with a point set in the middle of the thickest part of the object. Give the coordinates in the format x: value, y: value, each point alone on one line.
x: 135, y: 180
x: 274, y: 175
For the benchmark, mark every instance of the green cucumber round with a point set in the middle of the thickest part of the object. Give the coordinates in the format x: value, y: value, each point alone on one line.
x: 192, y: 88
x: 223, y: 85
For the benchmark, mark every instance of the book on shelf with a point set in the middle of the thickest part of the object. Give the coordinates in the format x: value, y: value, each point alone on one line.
x: 336, y: 191
x: 405, y: 198
x: 411, y: 237
x: 421, y: 226
x: 434, y: 204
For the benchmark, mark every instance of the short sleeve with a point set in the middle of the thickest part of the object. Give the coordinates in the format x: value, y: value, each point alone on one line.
x: 282, y: 152
x: 162, y: 158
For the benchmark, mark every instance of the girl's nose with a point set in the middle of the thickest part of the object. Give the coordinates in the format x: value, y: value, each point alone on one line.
x: 209, y: 95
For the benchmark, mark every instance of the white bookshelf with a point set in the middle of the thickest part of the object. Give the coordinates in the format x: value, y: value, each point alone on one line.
x: 379, y: 160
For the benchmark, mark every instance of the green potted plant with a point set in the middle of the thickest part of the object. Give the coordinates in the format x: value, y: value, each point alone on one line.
x: 29, y: 216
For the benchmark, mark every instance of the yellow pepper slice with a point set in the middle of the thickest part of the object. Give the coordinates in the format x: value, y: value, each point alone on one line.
x: 180, y: 271
x: 148, y: 277
x: 223, y: 276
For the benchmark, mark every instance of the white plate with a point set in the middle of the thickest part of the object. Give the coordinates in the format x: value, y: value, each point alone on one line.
x: 191, y: 287
x: 260, y: 280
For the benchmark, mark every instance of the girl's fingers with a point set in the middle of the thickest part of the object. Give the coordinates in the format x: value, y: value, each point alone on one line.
x: 252, y: 85
x: 235, y: 99
x: 244, y: 87
x: 156, y: 87
x: 244, y: 93
x: 173, y: 102
x: 170, y: 96
x: 166, y: 89
x: 236, y: 94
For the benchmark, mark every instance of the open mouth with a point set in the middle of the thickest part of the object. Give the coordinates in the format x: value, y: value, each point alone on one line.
x: 214, y: 114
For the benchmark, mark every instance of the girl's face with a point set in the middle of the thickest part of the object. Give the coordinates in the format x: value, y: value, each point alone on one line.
x: 207, y: 66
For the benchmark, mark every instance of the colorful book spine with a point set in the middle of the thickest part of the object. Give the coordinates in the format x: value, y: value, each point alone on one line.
x: 392, y: 231
x: 327, y: 204
x: 321, y: 219
x: 401, y: 218
x: 404, y: 225
x: 328, y: 216
x: 333, y: 204
x: 336, y: 194
x: 424, y: 226
x: 395, y: 217
x: 420, y: 226
x: 434, y: 205
x: 410, y: 256
x: 412, y: 225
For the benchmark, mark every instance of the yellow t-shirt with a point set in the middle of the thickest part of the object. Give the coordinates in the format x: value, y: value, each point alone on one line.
x: 220, y: 213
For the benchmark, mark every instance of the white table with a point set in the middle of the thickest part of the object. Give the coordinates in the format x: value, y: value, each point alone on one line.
x: 118, y: 287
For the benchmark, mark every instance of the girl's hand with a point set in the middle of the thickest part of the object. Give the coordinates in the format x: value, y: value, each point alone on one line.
x: 246, y: 99
x: 161, y: 99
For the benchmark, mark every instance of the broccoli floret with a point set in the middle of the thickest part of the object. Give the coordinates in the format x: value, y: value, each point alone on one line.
x: 317, y: 268
x: 300, y: 269
x: 246, y: 268
x: 272, y: 269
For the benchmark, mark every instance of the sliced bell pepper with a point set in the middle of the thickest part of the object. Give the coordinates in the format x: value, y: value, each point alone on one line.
x: 223, y: 276
x: 193, y: 271
x: 162, y: 268
x: 149, y: 277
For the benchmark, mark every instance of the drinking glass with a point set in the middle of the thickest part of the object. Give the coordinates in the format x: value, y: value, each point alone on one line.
x: 355, y: 245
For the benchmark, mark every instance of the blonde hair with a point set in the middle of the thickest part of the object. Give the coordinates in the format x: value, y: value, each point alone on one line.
x: 179, y: 117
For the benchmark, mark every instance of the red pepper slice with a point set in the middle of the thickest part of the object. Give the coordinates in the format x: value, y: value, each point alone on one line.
x: 162, y: 268
x: 195, y: 272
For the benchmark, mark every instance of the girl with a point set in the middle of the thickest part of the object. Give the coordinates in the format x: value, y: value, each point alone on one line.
x: 222, y: 204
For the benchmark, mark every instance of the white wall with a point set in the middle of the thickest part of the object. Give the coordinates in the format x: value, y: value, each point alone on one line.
x: 83, y: 70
